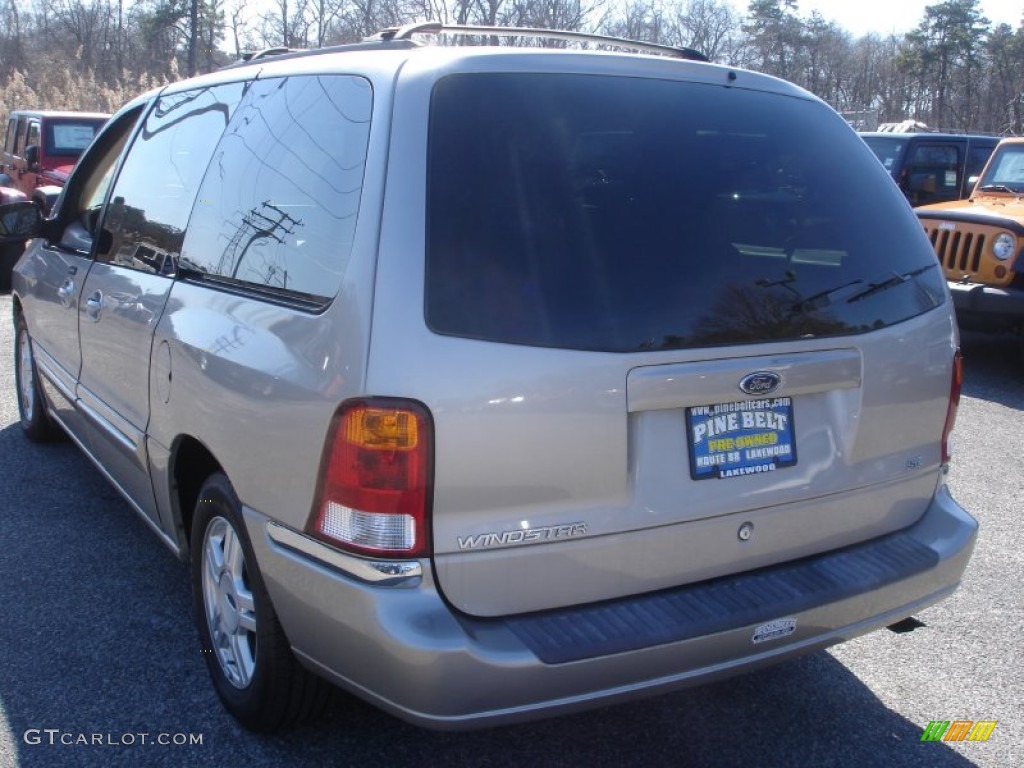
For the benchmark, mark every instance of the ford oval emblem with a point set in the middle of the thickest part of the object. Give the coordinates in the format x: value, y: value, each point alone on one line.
x: 760, y: 383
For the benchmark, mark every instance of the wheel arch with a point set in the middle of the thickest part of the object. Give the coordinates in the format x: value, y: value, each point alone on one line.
x: 191, y: 463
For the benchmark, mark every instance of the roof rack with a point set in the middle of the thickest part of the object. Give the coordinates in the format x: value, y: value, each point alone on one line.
x: 266, y: 52
x: 437, y: 28
x: 299, y: 53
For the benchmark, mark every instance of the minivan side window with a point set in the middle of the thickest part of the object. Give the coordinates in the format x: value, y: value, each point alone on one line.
x: 278, y: 206
x: 156, y: 187
x: 80, y: 207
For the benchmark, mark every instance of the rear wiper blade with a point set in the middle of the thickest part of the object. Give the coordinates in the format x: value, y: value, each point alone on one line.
x: 884, y: 285
x: 815, y: 302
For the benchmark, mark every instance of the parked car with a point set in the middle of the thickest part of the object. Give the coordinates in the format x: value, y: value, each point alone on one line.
x: 9, y: 252
x: 979, y: 243
x: 41, y: 148
x: 489, y: 383
x: 932, y: 167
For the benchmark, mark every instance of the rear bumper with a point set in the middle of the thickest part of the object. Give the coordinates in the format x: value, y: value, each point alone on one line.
x: 402, y: 648
x: 992, y: 306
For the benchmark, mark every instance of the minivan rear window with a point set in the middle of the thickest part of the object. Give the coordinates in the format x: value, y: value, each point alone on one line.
x: 623, y: 214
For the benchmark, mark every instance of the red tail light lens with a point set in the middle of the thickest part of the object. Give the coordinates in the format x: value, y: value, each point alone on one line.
x: 376, y: 479
x: 954, y: 403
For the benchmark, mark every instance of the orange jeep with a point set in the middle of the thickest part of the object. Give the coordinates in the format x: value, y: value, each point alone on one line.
x: 979, y: 241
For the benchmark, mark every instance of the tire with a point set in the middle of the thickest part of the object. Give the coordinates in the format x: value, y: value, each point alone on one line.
x: 35, y: 422
x: 255, y: 673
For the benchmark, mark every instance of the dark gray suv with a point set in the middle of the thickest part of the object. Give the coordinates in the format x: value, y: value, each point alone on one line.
x: 494, y: 382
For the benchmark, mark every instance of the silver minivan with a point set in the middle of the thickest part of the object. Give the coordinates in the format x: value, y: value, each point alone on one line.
x: 491, y: 382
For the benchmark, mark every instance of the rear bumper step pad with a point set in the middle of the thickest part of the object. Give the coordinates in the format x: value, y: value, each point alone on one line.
x: 720, y: 604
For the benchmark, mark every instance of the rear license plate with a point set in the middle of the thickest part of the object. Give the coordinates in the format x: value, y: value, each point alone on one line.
x: 748, y: 437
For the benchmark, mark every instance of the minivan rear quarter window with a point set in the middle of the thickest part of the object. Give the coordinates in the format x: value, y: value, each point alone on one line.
x: 277, y: 209
x: 615, y: 214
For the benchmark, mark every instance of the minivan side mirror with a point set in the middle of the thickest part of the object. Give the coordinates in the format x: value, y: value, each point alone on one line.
x: 19, y: 221
x: 32, y: 157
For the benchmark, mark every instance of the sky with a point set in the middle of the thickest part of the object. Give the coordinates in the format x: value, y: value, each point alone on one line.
x: 859, y: 17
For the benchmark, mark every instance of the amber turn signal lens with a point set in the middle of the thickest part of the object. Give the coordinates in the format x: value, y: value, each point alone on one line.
x: 382, y: 429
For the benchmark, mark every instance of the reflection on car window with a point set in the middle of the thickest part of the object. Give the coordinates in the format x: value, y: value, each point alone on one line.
x: 278, y: 206
x: 95, y: 190
x: 618, y: 215
x: 156, y: 187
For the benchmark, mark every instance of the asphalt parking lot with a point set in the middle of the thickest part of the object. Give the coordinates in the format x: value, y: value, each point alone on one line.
x: 97, y: 644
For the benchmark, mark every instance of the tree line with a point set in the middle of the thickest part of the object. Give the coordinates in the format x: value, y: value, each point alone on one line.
x: 954, y: 71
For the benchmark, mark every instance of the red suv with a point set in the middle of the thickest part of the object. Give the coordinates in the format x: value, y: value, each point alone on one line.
x: 41, y: 148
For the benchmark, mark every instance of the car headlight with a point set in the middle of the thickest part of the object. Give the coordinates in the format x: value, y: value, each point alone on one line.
x: 1002, y: 246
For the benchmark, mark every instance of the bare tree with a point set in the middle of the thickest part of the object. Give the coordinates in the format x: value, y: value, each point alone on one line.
x: 643, y: 20
x: 287, y: 24
x: 322, y: 14
x: 952, y: 71
x: 12, y: 54
x: 1005, y: 97
x: 571, y: 15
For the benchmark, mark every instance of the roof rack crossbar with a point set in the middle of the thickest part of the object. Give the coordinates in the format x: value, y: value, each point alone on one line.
x: 437, y: 28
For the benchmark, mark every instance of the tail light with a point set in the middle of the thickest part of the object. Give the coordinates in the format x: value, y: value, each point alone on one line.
x: 954, y: 403
x: 375, y: 484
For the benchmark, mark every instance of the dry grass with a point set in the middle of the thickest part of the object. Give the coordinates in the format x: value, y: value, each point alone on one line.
x: 60, y: 85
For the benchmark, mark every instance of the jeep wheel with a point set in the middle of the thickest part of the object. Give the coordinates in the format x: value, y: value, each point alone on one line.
x: 35, y: 422
x: 248, y: 656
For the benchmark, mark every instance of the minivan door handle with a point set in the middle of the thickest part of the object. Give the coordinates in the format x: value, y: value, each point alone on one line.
x: 93, y: 306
